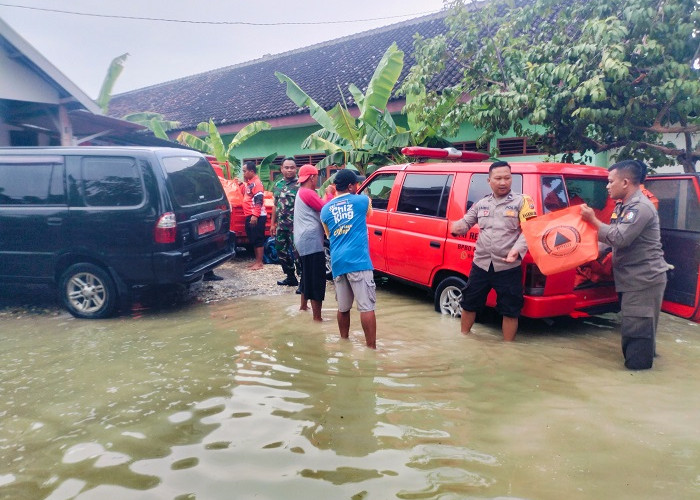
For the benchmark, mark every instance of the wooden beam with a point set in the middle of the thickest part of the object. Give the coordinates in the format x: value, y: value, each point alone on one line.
x: 65, y: 128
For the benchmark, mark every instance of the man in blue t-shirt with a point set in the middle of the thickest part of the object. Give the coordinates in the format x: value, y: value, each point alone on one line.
x: 345, y: 222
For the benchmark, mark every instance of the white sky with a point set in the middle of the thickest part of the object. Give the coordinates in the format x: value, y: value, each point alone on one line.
x: 83, y: 46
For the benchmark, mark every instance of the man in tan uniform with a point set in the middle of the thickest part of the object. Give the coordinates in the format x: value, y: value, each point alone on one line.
x: 499, y: 250
x: 638, y: 260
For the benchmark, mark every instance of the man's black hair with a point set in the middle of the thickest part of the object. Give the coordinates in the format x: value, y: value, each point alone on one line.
x: 250, y: 165
x: 634, y: 170
x: 497, y: 164
x: 287, y: 158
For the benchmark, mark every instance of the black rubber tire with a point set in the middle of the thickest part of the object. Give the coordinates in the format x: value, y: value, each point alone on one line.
x: 88, y: 291
x: 448, y: 295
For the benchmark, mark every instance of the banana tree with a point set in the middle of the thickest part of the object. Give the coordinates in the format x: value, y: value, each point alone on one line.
x: 115, y: 69
x: 213, y: 144
x: 369, y: 139
x: 264, y: 171
x: 155, y: 122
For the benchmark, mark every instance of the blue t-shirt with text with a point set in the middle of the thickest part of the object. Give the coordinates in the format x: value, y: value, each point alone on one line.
x: 346, y: 220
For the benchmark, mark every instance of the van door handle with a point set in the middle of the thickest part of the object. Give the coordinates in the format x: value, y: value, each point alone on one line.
x: 378, y: 232
x: 54, y: 221
x: 435, y: 244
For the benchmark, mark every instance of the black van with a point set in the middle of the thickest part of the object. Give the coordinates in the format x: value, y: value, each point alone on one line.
x: 102, y: 221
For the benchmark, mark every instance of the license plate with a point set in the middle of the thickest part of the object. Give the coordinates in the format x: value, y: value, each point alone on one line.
x: 206, y: 226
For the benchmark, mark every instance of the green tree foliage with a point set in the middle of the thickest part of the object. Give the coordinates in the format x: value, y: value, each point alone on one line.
x: 213, y: 144
x: 373, y: 138
x: 115, y: 69
x: 155, y: 122
x: 591, y: 76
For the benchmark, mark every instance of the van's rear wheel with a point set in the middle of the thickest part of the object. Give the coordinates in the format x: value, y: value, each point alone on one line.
x: 87, y: 291
x: 448, y: 294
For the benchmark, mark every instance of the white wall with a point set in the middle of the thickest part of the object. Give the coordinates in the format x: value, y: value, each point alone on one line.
x: 20, y: 83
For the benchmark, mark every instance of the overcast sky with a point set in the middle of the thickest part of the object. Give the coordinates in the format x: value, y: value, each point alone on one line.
x: 82, y: 46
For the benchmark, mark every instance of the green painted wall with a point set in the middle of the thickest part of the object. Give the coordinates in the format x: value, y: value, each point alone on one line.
x: 287, y: 142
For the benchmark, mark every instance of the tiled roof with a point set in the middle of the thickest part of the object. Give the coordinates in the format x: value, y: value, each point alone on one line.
x: 250, y: 91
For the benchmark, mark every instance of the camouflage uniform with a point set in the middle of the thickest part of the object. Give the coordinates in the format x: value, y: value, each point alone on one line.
x: 285, y: 193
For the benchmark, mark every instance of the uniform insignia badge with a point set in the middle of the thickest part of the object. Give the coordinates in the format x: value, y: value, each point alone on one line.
x: 510, y: 213
x: 629, y: 216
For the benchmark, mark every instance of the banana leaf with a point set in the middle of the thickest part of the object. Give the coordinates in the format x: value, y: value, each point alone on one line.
x: 301, y: 99
x: 319, y: 142
x: 153, y: 121
x: 194, y: 142
x: 247, y: 132
x: 115, y: 69
x: 144, y: 117
x: 411, y: 116
x: 156, y: 127
x: 264, y: 170
x: 217, y: 144
x: 381, y: 85
x: 357, y: 95
x: 345, y: 124
x: 337, y: 158
x: 233, y: 167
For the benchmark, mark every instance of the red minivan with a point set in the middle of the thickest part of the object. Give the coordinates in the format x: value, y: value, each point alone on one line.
x: 409, y: 239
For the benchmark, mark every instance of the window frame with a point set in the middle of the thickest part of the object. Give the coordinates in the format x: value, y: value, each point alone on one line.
x: 85, y: 160
x: 440, y: 210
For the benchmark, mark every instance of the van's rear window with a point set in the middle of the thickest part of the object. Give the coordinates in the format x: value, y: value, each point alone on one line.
x: 191, y: 180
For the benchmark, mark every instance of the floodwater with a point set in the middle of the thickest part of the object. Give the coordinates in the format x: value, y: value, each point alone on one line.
x: 251, y: 399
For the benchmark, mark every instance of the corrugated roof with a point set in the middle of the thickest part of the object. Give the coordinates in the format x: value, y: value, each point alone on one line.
x: 250, y: 91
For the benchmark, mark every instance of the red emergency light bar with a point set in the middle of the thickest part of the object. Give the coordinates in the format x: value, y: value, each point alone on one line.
x: 449, y: 153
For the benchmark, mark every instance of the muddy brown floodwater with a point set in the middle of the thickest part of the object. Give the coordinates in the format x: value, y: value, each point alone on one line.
x: 248, y: 398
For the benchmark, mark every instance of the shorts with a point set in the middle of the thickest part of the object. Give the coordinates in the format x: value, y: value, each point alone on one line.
x: 358, y: 286
x: 256, y: 233
x: 508, y: 285
x: 313, y: 276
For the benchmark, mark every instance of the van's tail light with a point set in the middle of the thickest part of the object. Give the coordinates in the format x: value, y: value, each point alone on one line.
x: 166, y: 228
x: 534, y: 280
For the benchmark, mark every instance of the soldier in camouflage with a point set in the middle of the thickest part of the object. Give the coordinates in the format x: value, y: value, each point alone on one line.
x: 282, y: 222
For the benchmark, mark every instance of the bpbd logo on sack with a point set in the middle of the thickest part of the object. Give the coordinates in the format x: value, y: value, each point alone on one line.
x: 560, y: 241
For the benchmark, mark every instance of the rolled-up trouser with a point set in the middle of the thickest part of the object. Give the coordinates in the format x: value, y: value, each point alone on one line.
x: 284, y: 244
x: 640, y: 317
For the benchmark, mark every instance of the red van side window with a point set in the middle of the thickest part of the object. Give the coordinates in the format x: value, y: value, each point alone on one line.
x: 379, y: 190
x: 425, y: 194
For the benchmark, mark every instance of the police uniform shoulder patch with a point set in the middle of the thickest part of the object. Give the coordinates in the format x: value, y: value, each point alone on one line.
x: 527, y: 209
x: 628, y: 217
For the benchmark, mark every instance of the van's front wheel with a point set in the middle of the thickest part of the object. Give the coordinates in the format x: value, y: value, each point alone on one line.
x: 88, y: 292
x: 448, y: 294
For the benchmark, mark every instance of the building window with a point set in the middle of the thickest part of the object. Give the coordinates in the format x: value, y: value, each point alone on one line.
x: 276, y: 163
x: 518, y: 146
x: 274, y: 167
x: 469, y: 146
